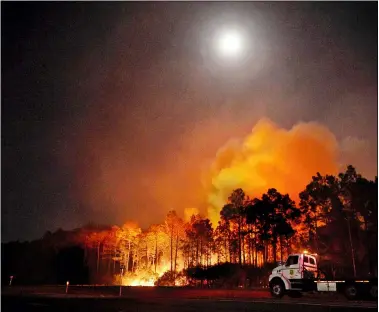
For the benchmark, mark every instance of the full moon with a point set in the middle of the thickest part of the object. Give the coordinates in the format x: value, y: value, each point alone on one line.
x: 230, y: 43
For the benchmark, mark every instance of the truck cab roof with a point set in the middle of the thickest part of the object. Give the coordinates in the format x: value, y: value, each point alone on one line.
x: 307, y: 260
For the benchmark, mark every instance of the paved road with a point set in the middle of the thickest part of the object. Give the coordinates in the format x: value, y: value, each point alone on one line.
x: 100, y: 299
x: 146, y: 292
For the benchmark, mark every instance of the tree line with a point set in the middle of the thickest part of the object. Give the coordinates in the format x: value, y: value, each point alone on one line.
x: 335, y: 217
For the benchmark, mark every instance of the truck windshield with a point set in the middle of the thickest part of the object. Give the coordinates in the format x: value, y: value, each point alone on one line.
x: 292, y: 260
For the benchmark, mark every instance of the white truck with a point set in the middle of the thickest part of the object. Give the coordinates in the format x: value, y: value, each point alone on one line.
x: 301, y: 274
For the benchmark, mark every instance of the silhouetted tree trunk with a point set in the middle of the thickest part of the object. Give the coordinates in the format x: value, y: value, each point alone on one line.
x: 274, y: 248
x: 98, y: 258
x: 239, y: 243
x: 201, y: 252
x: 109, y: 266
x: 243, y: 249
x: 352, y: 247
x: 114, y: 263
x: 128, y: 258
x: 197, y: 253
x: 171, y: 239
x: 256, y: 250
x: 156, y: 254
x: 230, y: 251
x: 225, y: 250
x: 176, y: 250
x: 249, y: 248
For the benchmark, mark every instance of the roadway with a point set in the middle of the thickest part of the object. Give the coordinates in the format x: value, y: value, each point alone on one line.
x: 98, y: 299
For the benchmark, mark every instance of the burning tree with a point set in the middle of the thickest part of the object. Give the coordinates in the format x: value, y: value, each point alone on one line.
x: 199, y: 245
x: 175, y: 229
x: 127, y: 235
x: 251, y: 234
x: 95, y: 240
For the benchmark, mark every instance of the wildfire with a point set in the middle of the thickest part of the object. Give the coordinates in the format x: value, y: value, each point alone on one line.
x: 144, y: 277
x: 268, y: 157
x: 139, y: 282
x: 181, y: 281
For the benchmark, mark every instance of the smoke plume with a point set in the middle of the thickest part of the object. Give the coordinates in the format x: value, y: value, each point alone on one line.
x: 189, y: 212
x: 271, y: 156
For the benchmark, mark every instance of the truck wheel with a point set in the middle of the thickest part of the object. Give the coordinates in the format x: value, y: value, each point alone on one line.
x: 374, y: 291
x: 351, y: 292
x: 277, y: 289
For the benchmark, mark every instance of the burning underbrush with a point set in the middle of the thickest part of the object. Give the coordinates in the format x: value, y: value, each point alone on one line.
x: 148, y: 278
x: 138, y: 278
x: 215, y: 276
x: 172, y: 279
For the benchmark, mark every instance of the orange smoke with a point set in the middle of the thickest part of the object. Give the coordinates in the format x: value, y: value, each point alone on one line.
x: 189, y: 212
x: 271, y: 156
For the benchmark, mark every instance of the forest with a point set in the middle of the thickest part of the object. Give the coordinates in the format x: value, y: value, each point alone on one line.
x: 335, y: 217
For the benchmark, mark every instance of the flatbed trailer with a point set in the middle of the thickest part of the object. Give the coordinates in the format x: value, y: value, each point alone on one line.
x: 299, y: 274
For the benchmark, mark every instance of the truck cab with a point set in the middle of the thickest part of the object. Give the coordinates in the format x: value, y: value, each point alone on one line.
x: 300, y: 274
x: 296, y: 274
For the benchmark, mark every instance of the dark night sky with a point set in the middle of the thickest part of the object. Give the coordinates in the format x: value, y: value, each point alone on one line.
x: 109, y: 110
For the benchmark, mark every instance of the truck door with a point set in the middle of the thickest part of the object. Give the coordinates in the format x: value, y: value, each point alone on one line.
x: 292, y: 267
x: 309, y: 266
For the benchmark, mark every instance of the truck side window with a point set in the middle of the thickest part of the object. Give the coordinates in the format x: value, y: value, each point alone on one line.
x: 312, y: 261
x: 306, y: 259
x: 292, y: 260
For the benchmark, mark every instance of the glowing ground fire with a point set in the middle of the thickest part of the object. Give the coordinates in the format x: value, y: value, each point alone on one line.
x: 144, y: 277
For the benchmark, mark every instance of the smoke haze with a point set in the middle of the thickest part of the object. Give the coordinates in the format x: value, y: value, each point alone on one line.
x: 119, y: 111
